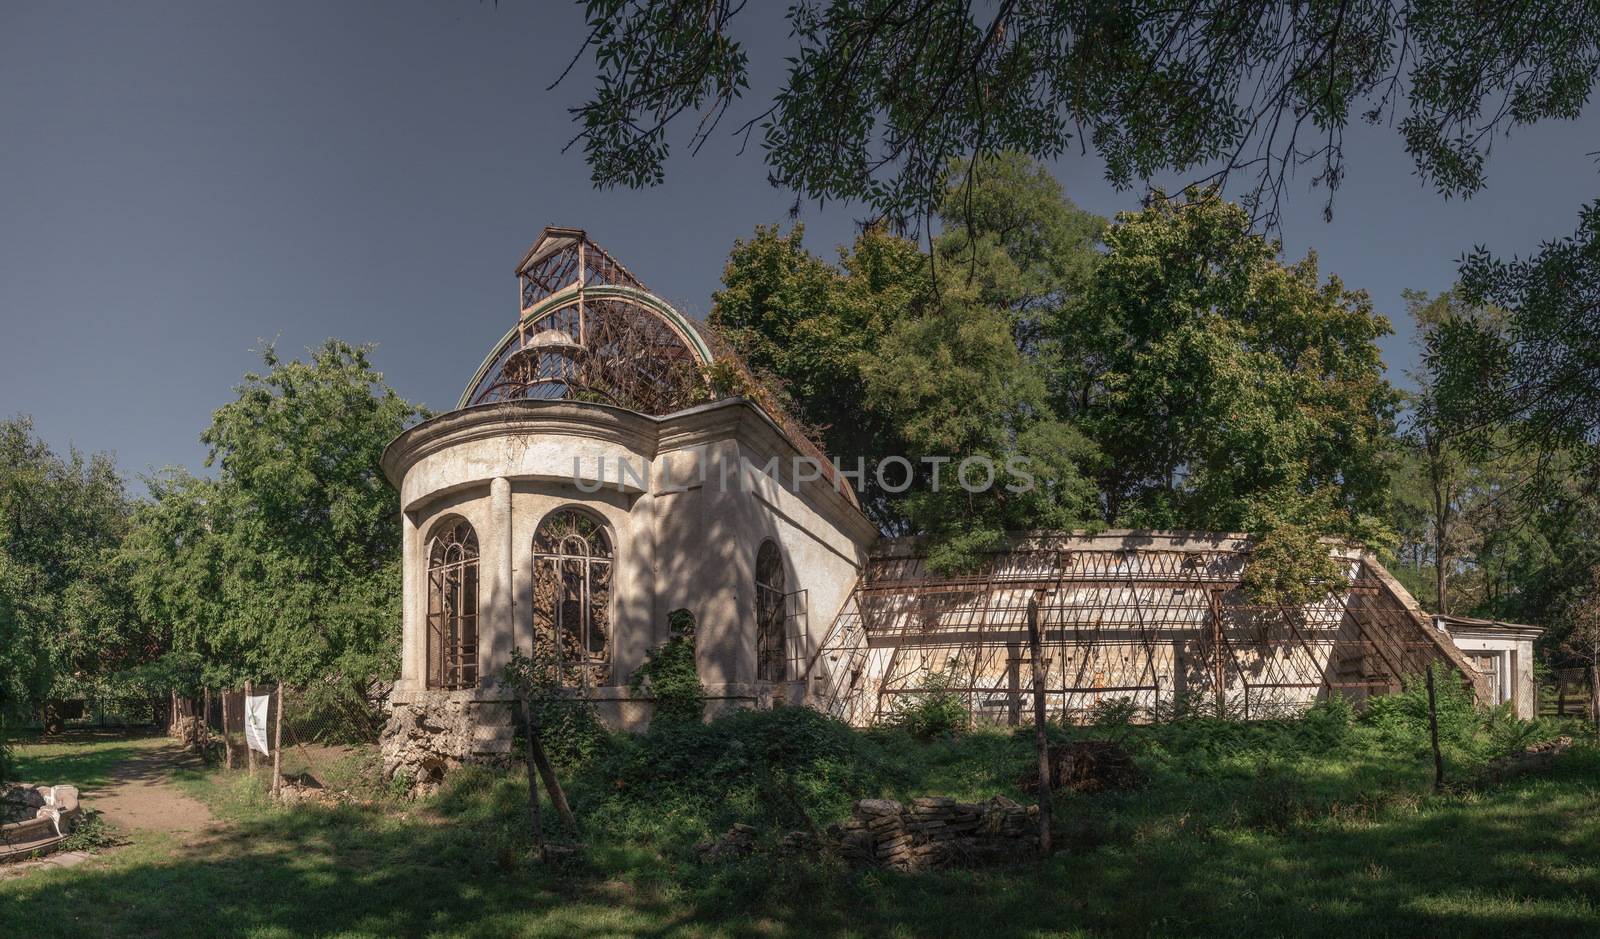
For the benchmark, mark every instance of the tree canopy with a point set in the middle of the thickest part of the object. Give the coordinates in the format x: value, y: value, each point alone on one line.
x: 1534, y: 368
x: 879, y: 96
x: 1162, y: 370
x: 1213, y: 376
x: 64, y: 615
x: 286, y: 566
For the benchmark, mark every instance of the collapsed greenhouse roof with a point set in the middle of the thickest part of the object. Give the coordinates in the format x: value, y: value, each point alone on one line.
x: 1159, y: 621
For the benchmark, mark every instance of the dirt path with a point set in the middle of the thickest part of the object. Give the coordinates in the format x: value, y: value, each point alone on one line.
x: 141, y: 797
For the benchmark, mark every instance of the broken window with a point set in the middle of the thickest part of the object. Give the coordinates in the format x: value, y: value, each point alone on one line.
x: 572, y: 596
x: 771, y: 655
x: 453, y: 606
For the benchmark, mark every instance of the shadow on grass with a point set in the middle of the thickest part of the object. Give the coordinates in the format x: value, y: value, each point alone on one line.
x: 83, y: 758
x: 1481, y: 863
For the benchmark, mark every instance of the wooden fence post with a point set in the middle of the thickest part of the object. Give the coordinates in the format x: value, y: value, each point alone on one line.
x: 1041, y: 739
x: 277, y: 744
x: 227, y: 741
x: 249, y: 751
x: 1433, y: 734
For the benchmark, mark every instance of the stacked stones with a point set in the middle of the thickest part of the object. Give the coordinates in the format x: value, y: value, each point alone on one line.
x: 937, y: 832
x: 428, y: 735
x: 35, y: 819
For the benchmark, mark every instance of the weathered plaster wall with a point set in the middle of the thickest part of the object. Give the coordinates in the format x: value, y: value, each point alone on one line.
x: 686, y: 526
x: 1516, y: 663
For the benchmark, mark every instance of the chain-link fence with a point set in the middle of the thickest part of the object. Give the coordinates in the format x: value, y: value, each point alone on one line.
x: 317, y: 738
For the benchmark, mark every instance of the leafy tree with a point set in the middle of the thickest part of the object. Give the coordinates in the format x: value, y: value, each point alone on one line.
x: 952, y: 379
x: 287, y: 565
x: 809, y: 327
x: 1220, y: 383
x: 880, y: 95
x: 175, y: 557
x: 887, y: 363
x: 1182, y: 378
x: 1535, y: 369
x: 63, y: 615
x: 1447, y: 490
x: 1010, y: 231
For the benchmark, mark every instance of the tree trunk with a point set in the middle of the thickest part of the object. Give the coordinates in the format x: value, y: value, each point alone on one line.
x: 1594, y: 695
x: 1433, y: 735
x: 1041, y: 740
x: 552, y: 785
x: 1442, y: 497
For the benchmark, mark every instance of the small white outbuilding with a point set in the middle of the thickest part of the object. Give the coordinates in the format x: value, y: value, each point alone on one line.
x: 1502, y: 653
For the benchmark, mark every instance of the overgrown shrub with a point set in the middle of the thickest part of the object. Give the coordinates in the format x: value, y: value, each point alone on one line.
x: 1402, y: 718
x: 670, y: 677
x: 790, y: 767
x: 935, y: 709
x: 1327, y: 723
x: 569, y: 728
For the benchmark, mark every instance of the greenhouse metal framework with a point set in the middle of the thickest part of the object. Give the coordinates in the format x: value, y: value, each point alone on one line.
x: 1157, y: 621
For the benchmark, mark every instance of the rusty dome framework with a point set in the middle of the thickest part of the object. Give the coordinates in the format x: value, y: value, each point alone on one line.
x: 1158, y: 620
x: 590, y: 331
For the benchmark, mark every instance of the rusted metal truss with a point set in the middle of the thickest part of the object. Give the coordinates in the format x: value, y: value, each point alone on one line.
x: 1158, y: 622
x: 589, y: 331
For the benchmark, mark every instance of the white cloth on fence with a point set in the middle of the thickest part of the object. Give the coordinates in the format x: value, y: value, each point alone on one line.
x: 255, y: 722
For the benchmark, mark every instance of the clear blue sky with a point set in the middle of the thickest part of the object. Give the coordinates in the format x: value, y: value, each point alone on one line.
x: 180, y: 181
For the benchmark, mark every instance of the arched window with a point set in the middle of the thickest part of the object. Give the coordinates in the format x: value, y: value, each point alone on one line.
x: 572, y: 596
x: 772, y: 658
x: 453, y: 606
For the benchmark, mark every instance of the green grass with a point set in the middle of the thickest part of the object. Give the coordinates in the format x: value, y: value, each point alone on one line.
x: 1267, y: 829
x: 82, y: 758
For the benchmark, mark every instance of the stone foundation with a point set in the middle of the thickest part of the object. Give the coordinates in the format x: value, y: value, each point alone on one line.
x: 431, y: 733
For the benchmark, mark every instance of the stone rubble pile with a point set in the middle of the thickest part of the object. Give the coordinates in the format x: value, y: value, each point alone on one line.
x: 936, y: 832
x: 35, y: 819
x: 737, y: 842
x: 1536, y: 758
x: 22, y: 801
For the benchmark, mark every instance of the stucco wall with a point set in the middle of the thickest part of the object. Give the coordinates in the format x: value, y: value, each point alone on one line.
x: 685, y: 525
x: 1516, y: 664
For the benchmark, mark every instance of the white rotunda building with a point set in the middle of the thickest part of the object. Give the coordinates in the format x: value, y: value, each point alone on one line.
x: 595, y: 476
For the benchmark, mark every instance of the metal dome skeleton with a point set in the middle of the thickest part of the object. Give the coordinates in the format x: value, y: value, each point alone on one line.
x: 590, y: 331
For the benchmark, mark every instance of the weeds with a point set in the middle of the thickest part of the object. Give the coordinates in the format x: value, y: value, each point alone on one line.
x: 90, y: 833
x: 935, y: 709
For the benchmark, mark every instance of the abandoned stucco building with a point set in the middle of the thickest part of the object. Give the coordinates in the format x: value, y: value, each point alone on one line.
x: 597, y: 475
